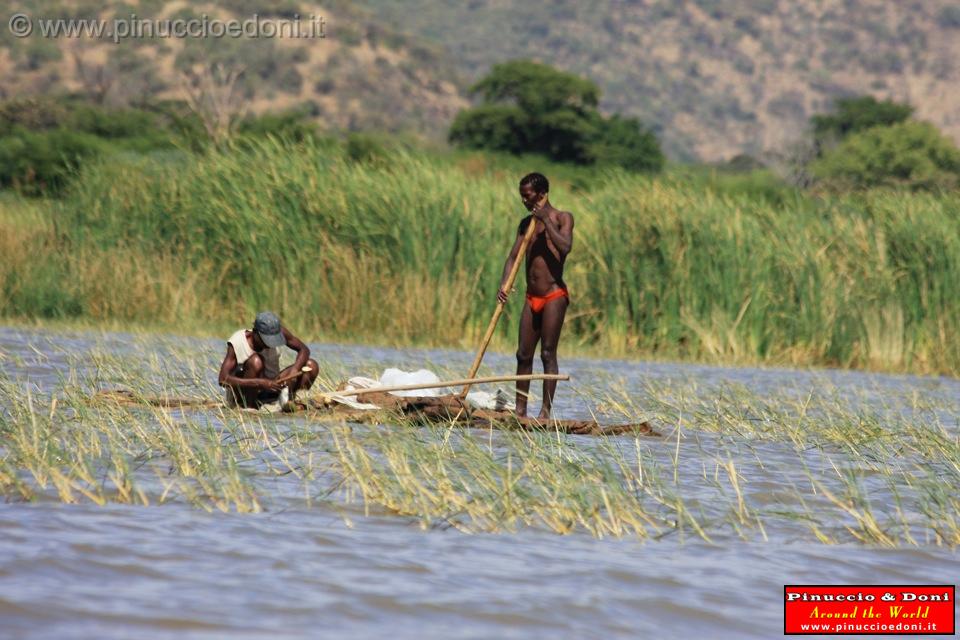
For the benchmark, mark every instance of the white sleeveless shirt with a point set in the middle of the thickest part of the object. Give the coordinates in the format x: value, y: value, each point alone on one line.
x: 270, y: 355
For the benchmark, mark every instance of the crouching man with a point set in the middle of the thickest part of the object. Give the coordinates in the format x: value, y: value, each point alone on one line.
x: 250, y: 371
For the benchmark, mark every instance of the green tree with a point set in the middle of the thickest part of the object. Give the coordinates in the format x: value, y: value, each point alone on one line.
x: 537, y: 88
x: 490, y: 126
x: 851, y: 115
x: 627, y: 143
x: 529, y: 107
x: 911, y: 154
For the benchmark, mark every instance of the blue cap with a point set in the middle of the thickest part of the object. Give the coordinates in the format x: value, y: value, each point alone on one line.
x: 267, y: 326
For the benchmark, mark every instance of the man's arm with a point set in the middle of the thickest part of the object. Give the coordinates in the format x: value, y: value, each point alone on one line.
x: 560, y: 233
x: 295, y: 344
x: 226, y: 377
x: 508, y: 265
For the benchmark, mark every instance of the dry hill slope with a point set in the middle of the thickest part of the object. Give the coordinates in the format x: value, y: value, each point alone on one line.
x: 359, y: 76
x: 715, y: 77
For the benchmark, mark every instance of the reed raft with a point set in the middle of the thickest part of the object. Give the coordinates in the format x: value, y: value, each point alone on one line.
x: 446, y: 409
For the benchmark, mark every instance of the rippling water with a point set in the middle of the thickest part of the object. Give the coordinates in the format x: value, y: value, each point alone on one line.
x: 83, y: 571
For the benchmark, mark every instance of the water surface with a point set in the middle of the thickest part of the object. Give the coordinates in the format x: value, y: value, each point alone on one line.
x: 118, y: 571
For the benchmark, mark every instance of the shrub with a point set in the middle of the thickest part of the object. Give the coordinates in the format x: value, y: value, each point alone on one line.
x: 292, y: 125
x: 41, y: 162
x: 627, y: 143
x: 38, y: 53
x: 31, y: 113
x: 909, y: 154
x: 743, y: 163
x: 134, y: 129
x: 364, y: 147
x: 949, y: 17
x: 851, y: 115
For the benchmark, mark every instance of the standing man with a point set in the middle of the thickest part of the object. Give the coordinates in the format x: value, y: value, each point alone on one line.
x: 250, y: 368
x: 546, y: 304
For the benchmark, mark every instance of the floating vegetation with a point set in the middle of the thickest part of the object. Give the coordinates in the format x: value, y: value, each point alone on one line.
x: 817, y: 463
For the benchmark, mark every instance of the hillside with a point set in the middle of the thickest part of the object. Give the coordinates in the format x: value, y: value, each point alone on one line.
x: 715, y: 77
x: 360, y: 75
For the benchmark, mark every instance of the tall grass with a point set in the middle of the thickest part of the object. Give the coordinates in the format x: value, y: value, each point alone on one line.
x: 407, y: 247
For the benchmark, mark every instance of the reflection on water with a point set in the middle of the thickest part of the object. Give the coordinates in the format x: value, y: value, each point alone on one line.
x: 122, y: 571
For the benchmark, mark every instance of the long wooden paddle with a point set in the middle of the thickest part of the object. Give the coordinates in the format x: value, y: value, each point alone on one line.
x: 514, y: 269
x: 438, y: 385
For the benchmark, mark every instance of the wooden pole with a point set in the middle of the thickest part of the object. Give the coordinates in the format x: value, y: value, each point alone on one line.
x: 450, y: 383
x: 527, y: 239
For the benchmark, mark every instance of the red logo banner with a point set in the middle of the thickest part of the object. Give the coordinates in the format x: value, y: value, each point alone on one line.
x: 869, y: 609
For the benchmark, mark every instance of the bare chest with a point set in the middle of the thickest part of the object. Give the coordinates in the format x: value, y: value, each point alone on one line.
x: 541, y: 245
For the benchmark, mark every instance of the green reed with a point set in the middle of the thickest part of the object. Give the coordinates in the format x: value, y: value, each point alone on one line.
x: 817, y: 464
x: 408, y: 248
x: 884, y: 467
